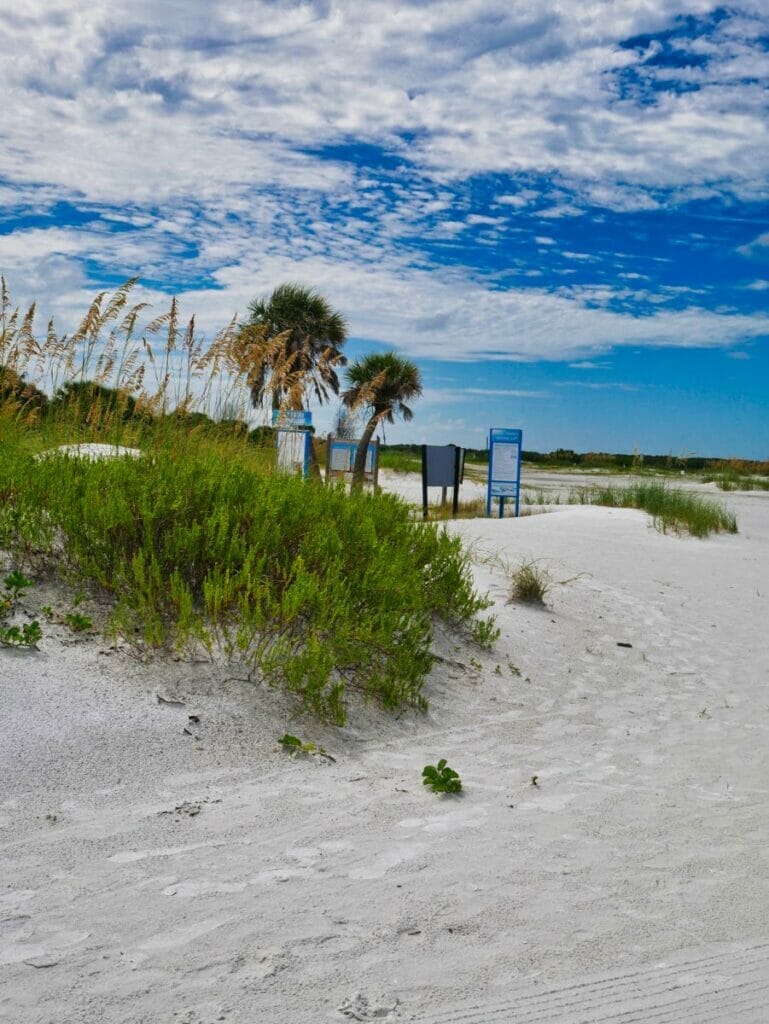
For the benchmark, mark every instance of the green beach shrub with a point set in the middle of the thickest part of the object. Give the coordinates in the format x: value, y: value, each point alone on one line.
x: 316, y: 590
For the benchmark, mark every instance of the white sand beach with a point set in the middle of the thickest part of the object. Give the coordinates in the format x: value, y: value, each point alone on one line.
x: 163, y: 860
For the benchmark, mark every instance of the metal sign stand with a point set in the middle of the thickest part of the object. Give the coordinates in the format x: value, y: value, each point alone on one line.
x: 505, y: 447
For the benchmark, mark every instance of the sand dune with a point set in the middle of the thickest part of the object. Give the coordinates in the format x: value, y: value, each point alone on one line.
x: 159, y: 868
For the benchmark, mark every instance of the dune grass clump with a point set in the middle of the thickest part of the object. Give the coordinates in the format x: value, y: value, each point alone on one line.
x: 671, y: 509
x: 530, y: 583
x: 316, y: 590
x: 733, y: 481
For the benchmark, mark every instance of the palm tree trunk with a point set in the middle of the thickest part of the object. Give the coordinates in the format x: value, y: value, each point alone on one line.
x: 315, y: 473
x: 359, y: 466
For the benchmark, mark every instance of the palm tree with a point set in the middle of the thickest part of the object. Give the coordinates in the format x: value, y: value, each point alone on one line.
x: 381, y: 382
x: 296, y: 341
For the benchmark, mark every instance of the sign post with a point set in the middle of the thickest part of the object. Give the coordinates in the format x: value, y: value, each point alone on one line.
x: 504, y: 468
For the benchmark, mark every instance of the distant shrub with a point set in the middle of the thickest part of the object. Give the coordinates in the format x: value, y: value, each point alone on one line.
x: 17, y: 392
x: 400, y: 462
x: 92, y: 404
x: 733, y: 481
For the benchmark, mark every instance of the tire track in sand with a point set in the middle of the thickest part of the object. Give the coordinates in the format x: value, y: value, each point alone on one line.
x: 726, y: 988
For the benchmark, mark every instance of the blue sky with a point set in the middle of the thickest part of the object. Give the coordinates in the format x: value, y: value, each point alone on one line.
x: 560, y: 210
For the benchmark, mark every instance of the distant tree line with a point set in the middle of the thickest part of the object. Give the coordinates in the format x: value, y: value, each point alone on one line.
x: 566, y: 457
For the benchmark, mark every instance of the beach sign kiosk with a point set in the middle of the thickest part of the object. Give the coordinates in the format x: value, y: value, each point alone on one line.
x: 293, y: 438
x: 340, y: 460
x: 504, y: 468
x: 442, y: 466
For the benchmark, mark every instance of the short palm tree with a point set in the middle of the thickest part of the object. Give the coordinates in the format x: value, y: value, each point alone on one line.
x: 296, y: 341
x: 381, y: 383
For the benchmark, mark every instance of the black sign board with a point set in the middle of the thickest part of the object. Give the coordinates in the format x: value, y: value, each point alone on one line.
x: 442, y: 466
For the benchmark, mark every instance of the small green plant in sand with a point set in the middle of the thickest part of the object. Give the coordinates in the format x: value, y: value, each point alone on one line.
x: 530, y: 583
x: 14, y: 584
x: 293, y: 745
x: 78, y: 622
x: 440, y: 778
x: 484, y: 632
x: 29, y: 633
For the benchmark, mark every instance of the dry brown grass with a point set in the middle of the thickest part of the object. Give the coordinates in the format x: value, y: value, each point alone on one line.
x: 163, y: 366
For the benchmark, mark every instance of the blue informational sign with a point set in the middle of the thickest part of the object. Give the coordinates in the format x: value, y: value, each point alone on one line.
x: 293, y: 447
x: 288, y: 418
x: 504, y: 468
x: 342, y: 456
x: 293, y: 440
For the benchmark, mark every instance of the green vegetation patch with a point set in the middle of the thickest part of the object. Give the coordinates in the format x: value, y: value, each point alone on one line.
x: 28, y: 634
x: 671, y: 509
x: 530, y: 583
x: 440, y: 778
x: 317, y: 590
x: 731, y: 481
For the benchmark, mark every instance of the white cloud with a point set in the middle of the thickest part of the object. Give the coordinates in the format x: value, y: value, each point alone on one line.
x: 505, y: 392
x: 149, y: 101
x: 427, y: 313
x: 606, y: 385
x: 200, y: 125
x: 756, y: 247
x: 560, y: 210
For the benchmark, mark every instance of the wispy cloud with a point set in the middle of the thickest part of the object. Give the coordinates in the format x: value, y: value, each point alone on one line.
x: 506, y: 392
x: 607, y: 385
x: 758, y: 246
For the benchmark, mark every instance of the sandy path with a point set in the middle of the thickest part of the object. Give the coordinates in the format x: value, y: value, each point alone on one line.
x: 629, y: 884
